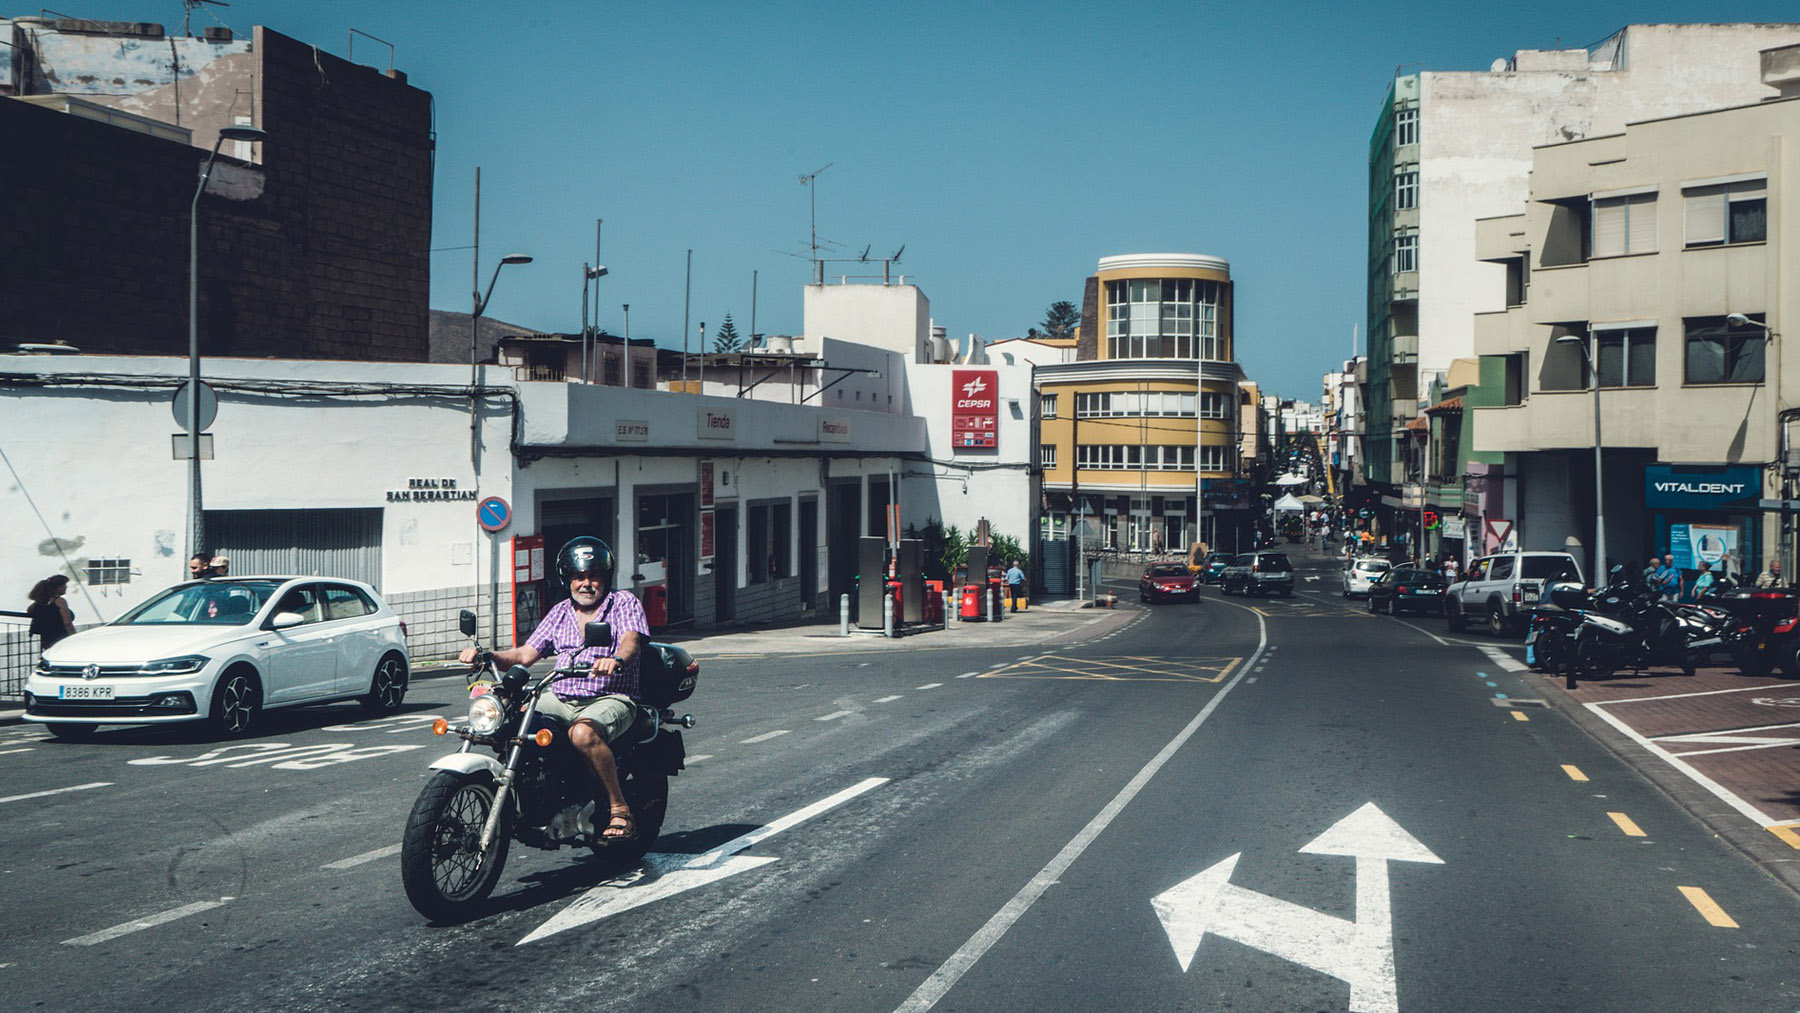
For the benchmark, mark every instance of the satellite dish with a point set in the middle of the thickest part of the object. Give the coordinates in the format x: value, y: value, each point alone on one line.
x: 1498, y: 66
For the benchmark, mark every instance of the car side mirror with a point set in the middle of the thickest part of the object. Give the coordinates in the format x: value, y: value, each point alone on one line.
x: 283, y: 620
x: 597, y: 635
x: 465, y: 621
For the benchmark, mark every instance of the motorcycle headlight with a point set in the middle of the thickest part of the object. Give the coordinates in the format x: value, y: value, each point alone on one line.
x: 485, y: 715
x: 184, y: 665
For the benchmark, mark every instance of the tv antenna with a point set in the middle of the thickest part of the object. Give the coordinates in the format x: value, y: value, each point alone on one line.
x: 187, y: 12
x: 810, y: 181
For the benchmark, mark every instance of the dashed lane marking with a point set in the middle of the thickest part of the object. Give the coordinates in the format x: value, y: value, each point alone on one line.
x: 1519, y: 716
x: 57, y: 791
x: 890, y: 699
x: 971, y: 675
x: 9, y: 752
x: 1574, y: 772
x: 834, y: 715
x: 1708, y: 908
x: 929, y: 685
x: 149, y: 921
x: 1125, y: 669
x: 367, y: 856
x: 1787, y: 835
x: 1626, y: 824
x: 698, y: 757
x: 764, y: 737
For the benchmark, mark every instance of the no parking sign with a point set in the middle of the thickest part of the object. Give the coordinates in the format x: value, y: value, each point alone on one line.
x: 493, y: 513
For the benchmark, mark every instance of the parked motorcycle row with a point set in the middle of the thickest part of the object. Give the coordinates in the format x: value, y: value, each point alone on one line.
x: 1627, y: 626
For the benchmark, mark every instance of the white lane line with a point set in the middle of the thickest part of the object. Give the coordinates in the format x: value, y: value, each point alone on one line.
x: 764, y: 737
x: 367, y: 856
x: 57, y: 791
x: 890, y: 699
x: 952, y: 970
x: 1719, y: 791
x: 149, y: 921
x: 929, y: 685
x: 971, y: 675
x: 9, y: 752
x: 833, y: 716
x: 697, y: 758
x: 1504, y: 660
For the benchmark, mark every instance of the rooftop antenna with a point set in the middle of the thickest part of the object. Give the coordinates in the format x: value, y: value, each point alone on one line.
x: 187, y: 11
x: 809, y: 180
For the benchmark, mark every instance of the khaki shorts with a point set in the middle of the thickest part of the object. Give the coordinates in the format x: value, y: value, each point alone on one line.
x: 612, y: 713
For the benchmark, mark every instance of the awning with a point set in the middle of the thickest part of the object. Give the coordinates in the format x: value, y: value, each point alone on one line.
x: 1288, y: 504
x: 1290, y: 479
x: 1446, y: 406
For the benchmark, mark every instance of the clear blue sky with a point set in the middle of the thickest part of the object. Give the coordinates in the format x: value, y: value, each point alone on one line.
x: 1008, y: 146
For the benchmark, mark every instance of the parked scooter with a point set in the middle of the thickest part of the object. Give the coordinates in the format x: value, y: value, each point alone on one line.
x: 1767, y: 634
x: 1552, y: 625
x: 1628, y: 626
x: 535, y: 787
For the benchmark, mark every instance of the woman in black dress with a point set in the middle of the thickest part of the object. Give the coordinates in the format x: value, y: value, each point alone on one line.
x: 51, y: 618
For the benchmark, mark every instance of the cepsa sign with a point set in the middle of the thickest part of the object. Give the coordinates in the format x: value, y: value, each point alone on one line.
x: 974, y: 408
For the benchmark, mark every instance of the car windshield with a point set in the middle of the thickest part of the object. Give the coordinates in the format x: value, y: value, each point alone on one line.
x: 1540, y: 567
x: 1221, y: 558
x: 1168, y: 570
x: 1273, y: 562
x: 212, y: 602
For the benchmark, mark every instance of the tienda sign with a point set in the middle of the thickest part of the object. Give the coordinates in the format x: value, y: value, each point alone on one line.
x: 974, y: 409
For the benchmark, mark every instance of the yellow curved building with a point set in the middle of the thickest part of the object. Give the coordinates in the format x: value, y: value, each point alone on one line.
x: 1148, y: 414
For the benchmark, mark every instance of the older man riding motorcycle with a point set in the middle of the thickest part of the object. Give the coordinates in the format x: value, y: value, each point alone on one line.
x: 599, y: 707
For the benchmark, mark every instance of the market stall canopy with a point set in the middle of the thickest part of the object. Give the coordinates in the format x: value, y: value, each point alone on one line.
x: 1288, y: 503
x: 1290, y: 479
x: 1312, y: 500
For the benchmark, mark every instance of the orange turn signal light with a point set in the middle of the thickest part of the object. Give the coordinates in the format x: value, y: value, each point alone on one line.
x: 544, y: 737
x: 440, y: 727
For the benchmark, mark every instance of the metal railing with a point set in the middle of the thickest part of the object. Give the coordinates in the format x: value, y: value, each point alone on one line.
x: 18, y: 655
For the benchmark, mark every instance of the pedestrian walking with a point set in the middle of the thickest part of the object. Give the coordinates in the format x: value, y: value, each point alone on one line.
x: 1702, y: 583
x: 51, y: 618
x: 1015, y: 584
x: 1668, y: 579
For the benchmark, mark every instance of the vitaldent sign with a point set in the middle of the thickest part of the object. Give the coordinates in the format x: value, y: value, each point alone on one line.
x: 1673, y: 487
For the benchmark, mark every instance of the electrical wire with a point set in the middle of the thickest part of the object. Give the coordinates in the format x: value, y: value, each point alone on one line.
x: 89, y: 598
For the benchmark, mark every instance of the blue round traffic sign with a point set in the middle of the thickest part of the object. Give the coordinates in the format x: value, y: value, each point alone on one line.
x: 493, y: 513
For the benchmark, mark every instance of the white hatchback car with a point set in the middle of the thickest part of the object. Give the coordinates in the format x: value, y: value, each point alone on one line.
x: 1363, y: 572
x: 223, y: 651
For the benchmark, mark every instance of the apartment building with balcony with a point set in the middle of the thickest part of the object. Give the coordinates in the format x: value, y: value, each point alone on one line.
x: 1453, y: 147
x: 1658, y: 259
x: 1147, y: 419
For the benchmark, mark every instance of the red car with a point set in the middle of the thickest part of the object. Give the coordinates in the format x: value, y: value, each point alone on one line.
x: 1165, y: 581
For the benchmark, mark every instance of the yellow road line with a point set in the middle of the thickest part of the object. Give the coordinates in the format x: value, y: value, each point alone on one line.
x: 1574, y: 772
x: 1712, y: 912
x: 1787, y: 835
x: 1625, y: 823
x: 1519, y: 716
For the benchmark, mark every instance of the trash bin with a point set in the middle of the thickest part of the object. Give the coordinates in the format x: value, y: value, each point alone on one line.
x: 971, y: 610
x: 656, y: 606
x: 896, y: 589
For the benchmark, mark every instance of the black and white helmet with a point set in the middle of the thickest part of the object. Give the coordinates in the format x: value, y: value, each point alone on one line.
x: 585, y: 554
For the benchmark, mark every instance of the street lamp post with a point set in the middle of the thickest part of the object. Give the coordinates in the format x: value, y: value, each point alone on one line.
x: 1580, y: 341
x: 1783, y: 417
x: 481, y: 301
x: 196, y: 517
x: 589, y: 335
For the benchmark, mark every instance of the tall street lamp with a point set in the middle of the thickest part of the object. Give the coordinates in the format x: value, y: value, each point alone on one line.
x: 589, y: 335
x: 1580, y: 341
x: 196, y: 517
x: 481, y: 301
x: 1783, y: 418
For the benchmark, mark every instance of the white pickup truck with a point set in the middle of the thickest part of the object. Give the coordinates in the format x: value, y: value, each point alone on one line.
x: 1496, y: 589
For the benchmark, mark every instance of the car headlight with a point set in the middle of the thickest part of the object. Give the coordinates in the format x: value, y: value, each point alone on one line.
x: 485, y: 715
x: 187, y: 664
x: 43, y: 667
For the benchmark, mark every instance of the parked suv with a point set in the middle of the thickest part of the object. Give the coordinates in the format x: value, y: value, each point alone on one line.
x: 1496, y: 589
x: 1259, y: 573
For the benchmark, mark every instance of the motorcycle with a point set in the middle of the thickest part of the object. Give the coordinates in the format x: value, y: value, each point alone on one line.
x: 536, y: 788
x: 1767, y: 627
x: 1552, y: 625
x: 1626, y: 625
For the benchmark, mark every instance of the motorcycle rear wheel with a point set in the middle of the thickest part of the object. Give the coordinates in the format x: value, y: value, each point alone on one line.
x: 1590, y: 656
x: 445, y: 878
x: 648, y: 795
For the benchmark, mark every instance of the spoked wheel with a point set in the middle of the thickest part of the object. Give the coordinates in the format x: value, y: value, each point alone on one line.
x: 1497, y: 624
x: 441, y: 866
x: 236, y: 703
x: 387, y: 688
x: 1589, y: 659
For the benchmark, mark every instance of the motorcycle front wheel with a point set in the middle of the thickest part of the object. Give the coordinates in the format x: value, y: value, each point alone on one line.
x: 441, y: 866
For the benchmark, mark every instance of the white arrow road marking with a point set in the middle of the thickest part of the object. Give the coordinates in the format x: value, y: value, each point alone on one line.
x: 149, y: 921
x: 665, y: 875
x: 57, y: 791
x: 1360, y: 952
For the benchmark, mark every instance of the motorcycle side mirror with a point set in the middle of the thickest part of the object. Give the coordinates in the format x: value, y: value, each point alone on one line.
x: 596, y: 635
x: 465, y: 621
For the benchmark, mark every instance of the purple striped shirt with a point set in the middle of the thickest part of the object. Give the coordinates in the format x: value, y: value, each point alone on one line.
x: 560, y: 633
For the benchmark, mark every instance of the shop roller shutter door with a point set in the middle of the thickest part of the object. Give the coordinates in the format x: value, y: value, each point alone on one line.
x: 324, y: 543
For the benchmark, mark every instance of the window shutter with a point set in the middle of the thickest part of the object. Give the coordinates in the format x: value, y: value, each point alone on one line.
x: 1705, y: 218
x: 1640, y: 221
x: 1609, y: 228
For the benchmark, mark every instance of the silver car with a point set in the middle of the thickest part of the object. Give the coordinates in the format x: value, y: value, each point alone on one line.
x: 223, y: 651
x: 1363, y: 572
